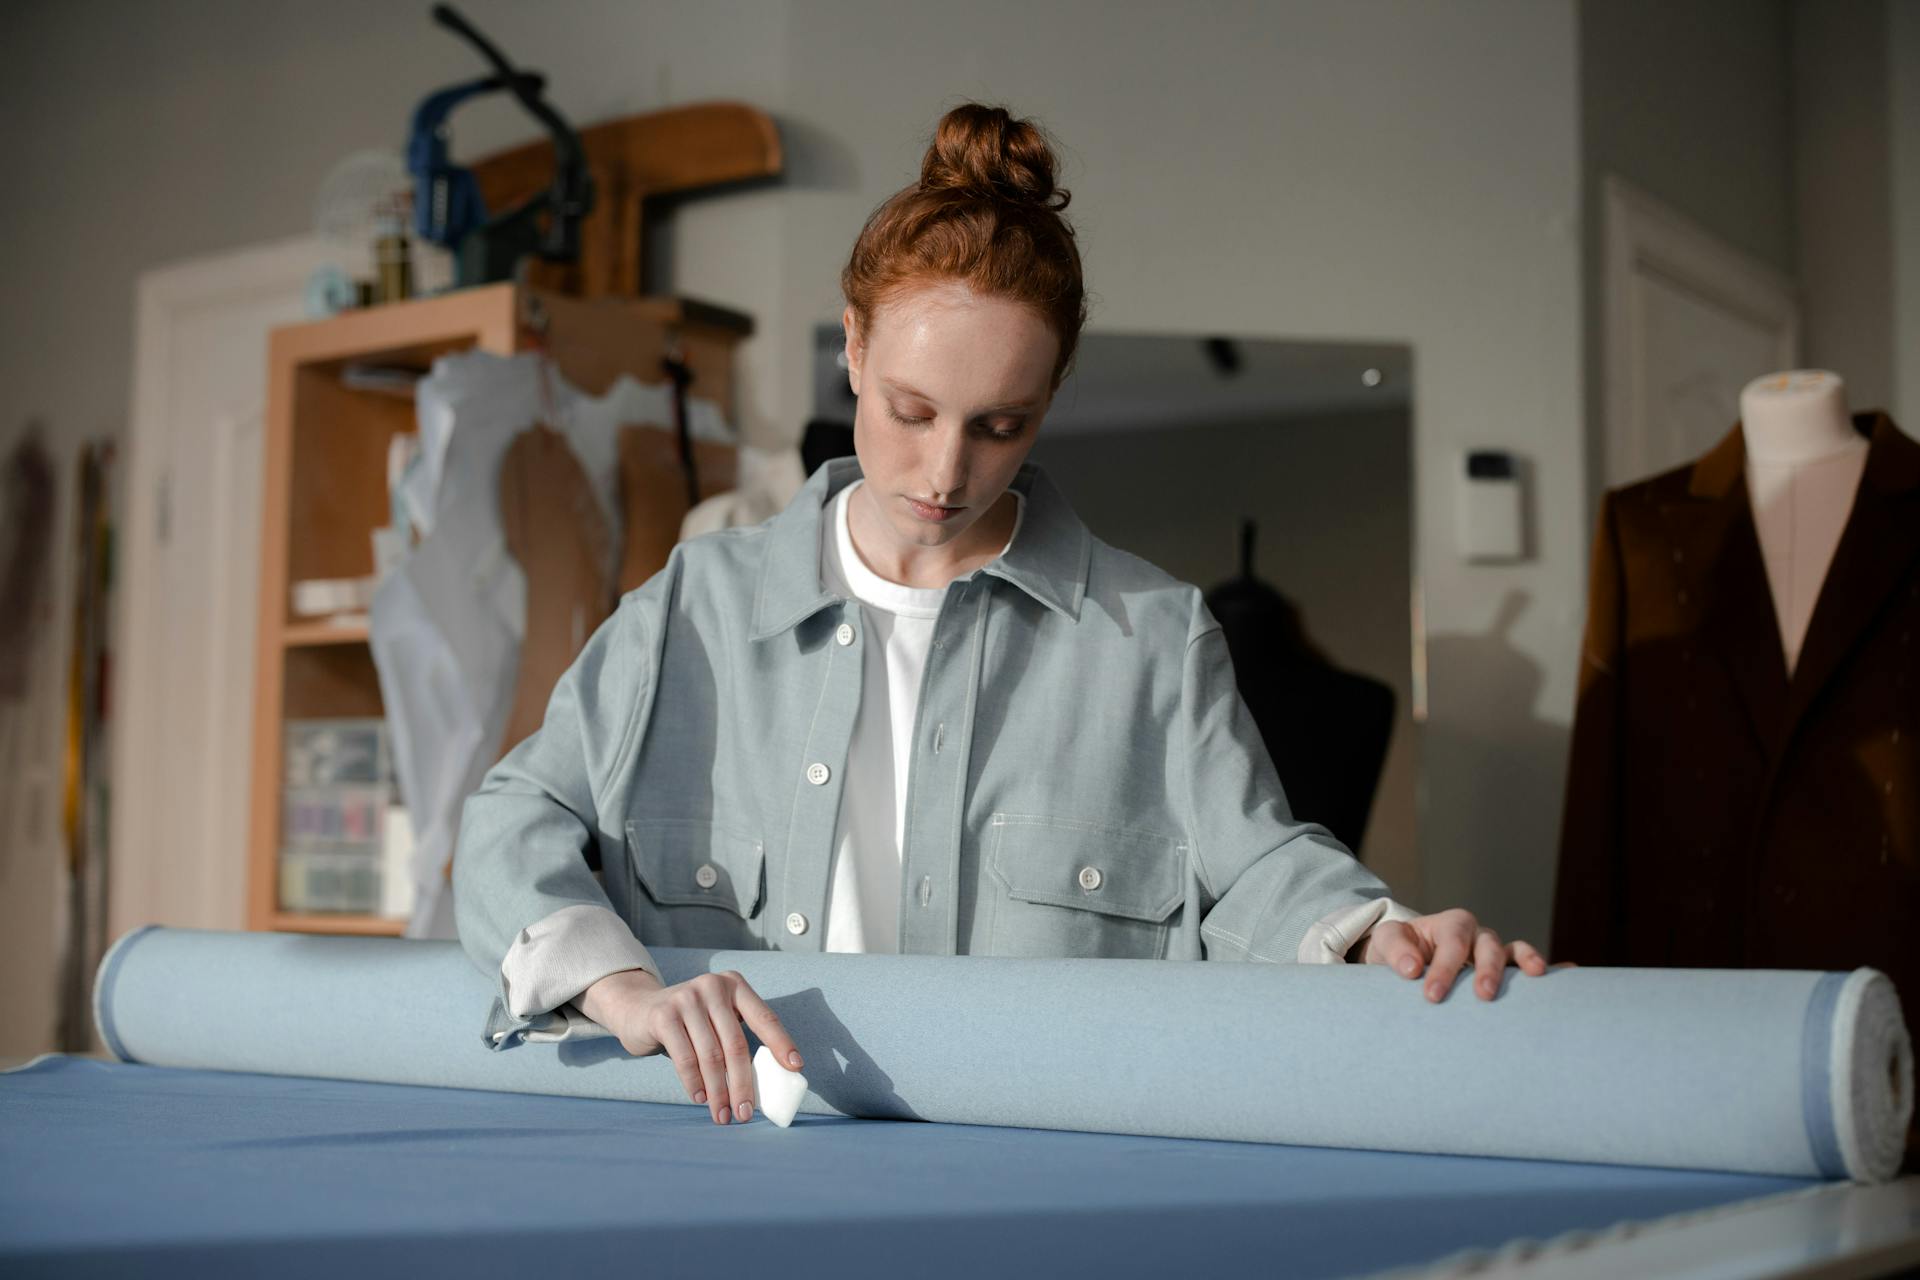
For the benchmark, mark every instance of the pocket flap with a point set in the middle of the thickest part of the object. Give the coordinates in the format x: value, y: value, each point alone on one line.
x: 1064, y: 862
x: 698, y: 863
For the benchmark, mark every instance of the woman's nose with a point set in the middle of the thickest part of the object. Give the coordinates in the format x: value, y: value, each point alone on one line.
x: 947, y: 465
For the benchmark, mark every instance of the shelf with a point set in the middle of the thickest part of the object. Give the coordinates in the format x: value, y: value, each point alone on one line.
x: 299, y: 634
x: 334, y: 922
x: 326, y: 448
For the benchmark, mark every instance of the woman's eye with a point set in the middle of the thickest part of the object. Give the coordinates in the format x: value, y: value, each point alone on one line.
x: 1007, y: 433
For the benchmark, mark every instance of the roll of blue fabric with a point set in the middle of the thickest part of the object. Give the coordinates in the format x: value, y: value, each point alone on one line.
x: 1793, y: 1073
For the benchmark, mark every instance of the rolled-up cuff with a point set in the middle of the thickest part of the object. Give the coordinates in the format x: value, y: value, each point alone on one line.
x: 1333, y: 935
x: 504, y: 1030
x: 561, y: 955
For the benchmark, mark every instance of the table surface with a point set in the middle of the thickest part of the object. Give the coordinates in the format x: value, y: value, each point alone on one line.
x: 113, y: 1168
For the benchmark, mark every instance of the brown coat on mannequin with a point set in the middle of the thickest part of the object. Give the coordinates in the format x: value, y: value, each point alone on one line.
x: 1718, y: 813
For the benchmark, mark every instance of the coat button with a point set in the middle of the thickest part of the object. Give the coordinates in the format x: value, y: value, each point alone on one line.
x: 796, y: 923
x: 818, y: 774
x: 706, y: 876
x: 1090, y: 878
x: 844, y: 633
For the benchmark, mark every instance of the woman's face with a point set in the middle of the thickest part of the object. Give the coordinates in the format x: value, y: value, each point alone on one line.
x: 952, y: 387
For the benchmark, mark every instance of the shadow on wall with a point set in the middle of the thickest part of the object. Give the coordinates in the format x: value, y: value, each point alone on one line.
x: 1501, y: 768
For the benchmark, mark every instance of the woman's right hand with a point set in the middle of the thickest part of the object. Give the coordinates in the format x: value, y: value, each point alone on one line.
x: 697, y: 1022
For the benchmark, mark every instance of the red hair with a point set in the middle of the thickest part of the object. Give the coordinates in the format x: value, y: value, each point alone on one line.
x: 985, y: 213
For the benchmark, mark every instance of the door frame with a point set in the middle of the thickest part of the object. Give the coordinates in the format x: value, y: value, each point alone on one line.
x: 1646, y: 240
x: 159, y: 875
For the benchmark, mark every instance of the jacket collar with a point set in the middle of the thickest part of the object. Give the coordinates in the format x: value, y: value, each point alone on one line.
x: 1880, y: 539
x: 1048, y: 559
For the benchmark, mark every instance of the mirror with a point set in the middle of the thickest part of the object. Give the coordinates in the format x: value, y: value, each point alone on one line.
x: 1172, y: 448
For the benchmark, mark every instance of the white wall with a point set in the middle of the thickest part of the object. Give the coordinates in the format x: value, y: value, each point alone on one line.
x: 1903, y: 79
x: 1386, y: 170
x: 1842, y: 175
x: 1692, y: 104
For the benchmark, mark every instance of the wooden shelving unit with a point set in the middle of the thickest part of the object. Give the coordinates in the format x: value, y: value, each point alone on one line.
x: 325, y: 491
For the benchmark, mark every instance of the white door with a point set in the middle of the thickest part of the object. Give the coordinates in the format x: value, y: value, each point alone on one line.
x: 1689, y: 321
x: 190, y: 583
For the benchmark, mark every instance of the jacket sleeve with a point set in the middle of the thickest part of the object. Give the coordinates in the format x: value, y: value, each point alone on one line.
x: 1586, y: 894
x: 521, y: 882
x: 1283, y: 890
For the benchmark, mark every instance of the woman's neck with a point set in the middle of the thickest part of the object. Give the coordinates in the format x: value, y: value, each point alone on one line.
x: 1796, y: 417
x: 930, y: 567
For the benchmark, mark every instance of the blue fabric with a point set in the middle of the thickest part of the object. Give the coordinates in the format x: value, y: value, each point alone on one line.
x: 120, y: 1169
x: 1680, y: 1068
x: 1816, y: 1087
x: 104, y: 983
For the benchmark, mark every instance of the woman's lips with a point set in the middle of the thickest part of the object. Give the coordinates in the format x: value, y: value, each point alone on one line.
x: 933, y: 514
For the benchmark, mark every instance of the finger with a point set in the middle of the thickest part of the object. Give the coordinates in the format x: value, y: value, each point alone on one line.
x: 733, y: 1042
x: 1528, y: 957
x: 1489, y: 963
x: 1449, y: 953
x: 686, y: 1064
x: 707, y: 1051
x: 766, y: 1024
x: 1396, y: 945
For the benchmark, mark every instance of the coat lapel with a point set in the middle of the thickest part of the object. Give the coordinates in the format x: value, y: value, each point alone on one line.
x: 1716, y: 535
x: 1879, y: 541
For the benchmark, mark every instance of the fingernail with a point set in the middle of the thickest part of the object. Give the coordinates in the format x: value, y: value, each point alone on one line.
x: 746, y: 1112
x: 1407, y: 966
x: 725, y: 1115
x: 1433, y: 991
x: 700, y: 1096
x: 793, y: 1058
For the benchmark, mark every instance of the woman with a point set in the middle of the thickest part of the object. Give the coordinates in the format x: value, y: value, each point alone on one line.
x: 923, y: 709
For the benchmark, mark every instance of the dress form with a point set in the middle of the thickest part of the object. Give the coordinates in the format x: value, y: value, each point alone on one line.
x: 1804, y: 462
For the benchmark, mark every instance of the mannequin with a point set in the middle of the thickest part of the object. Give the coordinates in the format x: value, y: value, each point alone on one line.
x: 1326, y: 729
x: 1804, y: 462
x: 1743, y: 783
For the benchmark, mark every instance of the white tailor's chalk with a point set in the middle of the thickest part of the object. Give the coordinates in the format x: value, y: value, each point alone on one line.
x: 777, y: 1089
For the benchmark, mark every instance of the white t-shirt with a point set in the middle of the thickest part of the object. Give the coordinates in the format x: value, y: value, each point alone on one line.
x: 863, y: 907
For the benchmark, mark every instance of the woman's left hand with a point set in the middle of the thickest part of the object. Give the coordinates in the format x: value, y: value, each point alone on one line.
x: 1441, y: 943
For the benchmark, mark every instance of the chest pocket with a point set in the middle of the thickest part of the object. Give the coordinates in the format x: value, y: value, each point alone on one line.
x: 1074, y: 888
x: 691, y: 862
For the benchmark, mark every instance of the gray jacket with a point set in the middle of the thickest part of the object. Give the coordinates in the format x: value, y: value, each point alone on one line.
x: 1085, y: 780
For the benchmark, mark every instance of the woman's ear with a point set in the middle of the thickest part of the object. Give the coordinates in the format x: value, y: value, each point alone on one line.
x: 850, y: 324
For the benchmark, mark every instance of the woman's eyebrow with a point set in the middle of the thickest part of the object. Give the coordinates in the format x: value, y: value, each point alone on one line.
x: 903, y: 388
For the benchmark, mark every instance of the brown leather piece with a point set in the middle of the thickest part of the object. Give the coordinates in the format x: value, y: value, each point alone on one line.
x: 556, y: 530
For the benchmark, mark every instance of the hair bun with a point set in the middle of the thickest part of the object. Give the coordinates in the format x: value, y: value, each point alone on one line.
x: 983, y: 151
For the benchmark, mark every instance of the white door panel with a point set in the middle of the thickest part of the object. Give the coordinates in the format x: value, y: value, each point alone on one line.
x: 1689, y: 322
x: 186, y: 630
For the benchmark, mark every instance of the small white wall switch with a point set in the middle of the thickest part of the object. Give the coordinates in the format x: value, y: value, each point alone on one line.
x: 1488, y: 507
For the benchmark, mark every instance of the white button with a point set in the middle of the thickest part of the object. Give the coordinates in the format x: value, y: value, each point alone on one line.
x: 1089, y: 878
x: 844, y: 633
x: 706, y: 876
x: 796, y: 923
x: 818, y: 774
